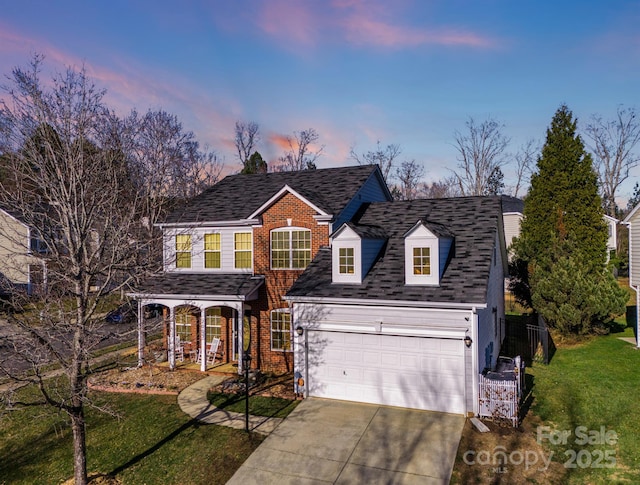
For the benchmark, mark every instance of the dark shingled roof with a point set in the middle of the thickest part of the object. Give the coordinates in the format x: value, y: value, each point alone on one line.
x: 473, y: 222
x: 236, y: 197
x: 368, y: 232
x: 201, y: 284
x: 512, y: 204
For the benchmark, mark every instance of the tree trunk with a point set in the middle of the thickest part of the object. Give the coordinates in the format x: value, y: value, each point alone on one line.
x: 79, y: 445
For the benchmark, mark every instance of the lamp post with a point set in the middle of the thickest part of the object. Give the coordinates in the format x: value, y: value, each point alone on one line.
x: 246, y: 363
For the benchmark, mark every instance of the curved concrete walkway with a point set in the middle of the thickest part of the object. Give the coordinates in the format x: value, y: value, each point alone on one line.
x: 193, y: 401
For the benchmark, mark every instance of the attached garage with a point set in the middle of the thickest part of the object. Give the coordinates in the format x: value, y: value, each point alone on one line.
x: 395, y: 370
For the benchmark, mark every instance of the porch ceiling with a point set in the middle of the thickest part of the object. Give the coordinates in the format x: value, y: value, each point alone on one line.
x: 243, y: 287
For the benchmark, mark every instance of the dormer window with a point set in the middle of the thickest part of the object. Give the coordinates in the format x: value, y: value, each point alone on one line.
x: 346, y: 261
x: 422, y: 261
x: 426, y: 248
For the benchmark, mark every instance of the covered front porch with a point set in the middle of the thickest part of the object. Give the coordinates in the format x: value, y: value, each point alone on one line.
x: 199, y: 329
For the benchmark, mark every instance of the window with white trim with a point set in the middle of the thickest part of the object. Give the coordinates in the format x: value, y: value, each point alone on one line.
x: 290, y: 248
x: 183, y: 327
x: 281, y: 331
x: 242, y: 250
x: 212, y: 251
x: 421, y: 261
x: 183, y: 250
x: 346, y: 261
x: 213, y: 324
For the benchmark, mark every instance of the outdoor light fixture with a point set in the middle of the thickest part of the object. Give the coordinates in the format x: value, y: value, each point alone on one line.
x: 468, y: 341
x: 299, y: 330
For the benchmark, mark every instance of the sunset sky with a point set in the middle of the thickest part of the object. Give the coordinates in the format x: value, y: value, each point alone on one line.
x: 357, y: 71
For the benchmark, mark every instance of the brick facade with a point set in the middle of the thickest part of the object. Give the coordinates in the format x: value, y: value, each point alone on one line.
x: 288, y: 211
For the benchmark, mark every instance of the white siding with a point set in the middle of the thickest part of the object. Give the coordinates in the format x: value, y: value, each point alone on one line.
x: 14, y: 250
x: 197, y: 252
x: 511, y: 222
x: 490, y: 338
x: 634, y: 249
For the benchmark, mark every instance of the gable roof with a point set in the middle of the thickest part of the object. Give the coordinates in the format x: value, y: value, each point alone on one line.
x: 474, y: 222
x: 238, y: 197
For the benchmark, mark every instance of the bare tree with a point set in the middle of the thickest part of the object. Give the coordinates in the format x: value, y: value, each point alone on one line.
x: 385, y: 158
x: 409, y: 174
x: 247, y: 136
x: 481, y: 152
x: 166, y: 167
x: 612, y: 143
x: 69, y: 186
x: 301, y: 154
x: 440, y: 189
x: 525, y: 159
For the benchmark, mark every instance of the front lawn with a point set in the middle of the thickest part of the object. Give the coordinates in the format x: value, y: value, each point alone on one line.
x: 152, y: 441
x: 274, y: 407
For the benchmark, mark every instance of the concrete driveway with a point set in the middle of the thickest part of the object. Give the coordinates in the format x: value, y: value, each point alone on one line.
x: 324, y: 441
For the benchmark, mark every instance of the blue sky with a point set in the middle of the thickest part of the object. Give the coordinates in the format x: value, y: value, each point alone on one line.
x: 357, y: 71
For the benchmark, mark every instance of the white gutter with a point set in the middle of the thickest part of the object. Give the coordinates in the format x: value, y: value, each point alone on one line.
x: 380, y: 302
x: 241, y: 222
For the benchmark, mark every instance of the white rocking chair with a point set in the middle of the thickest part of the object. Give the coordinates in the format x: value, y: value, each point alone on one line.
x: 213, y: 351
x: 178, y: 350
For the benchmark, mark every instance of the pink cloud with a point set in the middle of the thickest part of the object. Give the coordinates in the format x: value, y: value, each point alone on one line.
x: 365, y: 23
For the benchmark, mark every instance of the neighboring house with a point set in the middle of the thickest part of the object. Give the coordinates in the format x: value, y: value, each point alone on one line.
x: 512, y: 213
x: 633, y: 222
x: 612, y: 232
x: 406, y: 307
x: 233, y: 252
x: 19, y: 269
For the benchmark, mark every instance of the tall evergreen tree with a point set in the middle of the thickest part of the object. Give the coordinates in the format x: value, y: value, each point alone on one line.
x: 563, y: 229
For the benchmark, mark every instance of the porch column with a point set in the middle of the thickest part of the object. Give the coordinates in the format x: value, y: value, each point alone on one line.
x: 240, y: 337
x: 172, y: 338
x: 203, y: 340
x: 141, y: 339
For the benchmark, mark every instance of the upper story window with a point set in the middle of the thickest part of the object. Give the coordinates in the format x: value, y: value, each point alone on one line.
x: 183, y: 251
x: 346, y: 261
x: 290, y: 248
x: 212, y: 251
x: 242, y: 250
x: 421, y: 261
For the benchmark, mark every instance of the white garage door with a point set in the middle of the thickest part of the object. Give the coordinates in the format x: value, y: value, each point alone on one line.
x: 412, y: 372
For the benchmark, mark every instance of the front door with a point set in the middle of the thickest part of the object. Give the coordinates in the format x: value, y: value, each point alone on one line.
x: 234, y: 338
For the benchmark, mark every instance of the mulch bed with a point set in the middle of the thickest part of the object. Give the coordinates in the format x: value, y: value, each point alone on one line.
x: 144, y: 380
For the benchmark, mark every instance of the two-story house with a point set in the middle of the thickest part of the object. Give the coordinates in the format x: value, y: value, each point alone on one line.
x: 20, y: 267
x: 234, y: 251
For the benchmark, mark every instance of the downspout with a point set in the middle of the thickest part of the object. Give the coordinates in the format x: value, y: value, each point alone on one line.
x: 474, y: 360
x: 637, y: 290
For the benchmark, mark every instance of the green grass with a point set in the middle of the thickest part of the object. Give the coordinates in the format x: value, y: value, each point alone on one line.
x: 152, y: 441
x: 275, y: 407
x: 593, y: 384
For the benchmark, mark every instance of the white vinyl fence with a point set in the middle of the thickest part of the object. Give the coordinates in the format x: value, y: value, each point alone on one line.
x: 501, y: 391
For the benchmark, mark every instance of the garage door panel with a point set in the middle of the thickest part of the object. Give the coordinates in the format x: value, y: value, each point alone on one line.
x: 415, y: 372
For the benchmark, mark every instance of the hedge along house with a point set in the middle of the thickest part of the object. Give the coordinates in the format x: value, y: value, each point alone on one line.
x: 234, y: 251
x: 406, y: 307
